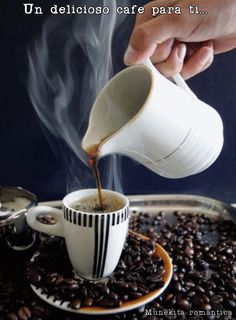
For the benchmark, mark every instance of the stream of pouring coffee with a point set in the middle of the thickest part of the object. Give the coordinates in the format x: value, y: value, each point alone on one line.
x: 93, y: 162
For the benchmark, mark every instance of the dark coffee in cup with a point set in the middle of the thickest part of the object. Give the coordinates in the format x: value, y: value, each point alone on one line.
x: 90, y: 204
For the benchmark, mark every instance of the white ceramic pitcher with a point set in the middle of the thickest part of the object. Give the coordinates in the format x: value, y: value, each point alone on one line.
x: 164, y: 126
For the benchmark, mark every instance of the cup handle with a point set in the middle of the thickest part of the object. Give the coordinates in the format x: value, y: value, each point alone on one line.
x: 177, y: 78
x: 44, y: 212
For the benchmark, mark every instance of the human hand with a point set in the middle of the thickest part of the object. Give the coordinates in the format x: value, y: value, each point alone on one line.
x: 183, y: 43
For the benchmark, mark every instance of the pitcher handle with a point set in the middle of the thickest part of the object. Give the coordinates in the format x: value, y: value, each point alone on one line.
x: 177, y: 78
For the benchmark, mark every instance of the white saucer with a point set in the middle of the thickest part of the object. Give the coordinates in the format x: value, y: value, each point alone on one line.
x: 126, y: 306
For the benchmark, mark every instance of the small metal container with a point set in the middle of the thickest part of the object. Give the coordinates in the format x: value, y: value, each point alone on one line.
x: 14, y: 204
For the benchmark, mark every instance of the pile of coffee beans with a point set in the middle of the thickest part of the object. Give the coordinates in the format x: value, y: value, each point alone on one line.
x: 139, y: 271
x: 203, y: 252
x: 203, y: 286
x: 17, y: 301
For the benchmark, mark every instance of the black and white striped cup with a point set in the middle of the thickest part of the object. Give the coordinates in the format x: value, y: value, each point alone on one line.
x: 94, y: 240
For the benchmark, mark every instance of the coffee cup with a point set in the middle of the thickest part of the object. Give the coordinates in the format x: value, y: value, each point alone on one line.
x: 94, y: 240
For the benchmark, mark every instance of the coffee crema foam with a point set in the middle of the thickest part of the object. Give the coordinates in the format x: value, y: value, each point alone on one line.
x: 90, y: 204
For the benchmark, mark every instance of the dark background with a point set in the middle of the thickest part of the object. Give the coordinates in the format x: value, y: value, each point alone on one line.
x: 26, y: 158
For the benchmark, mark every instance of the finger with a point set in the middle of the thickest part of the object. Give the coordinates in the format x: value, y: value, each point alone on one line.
x: 146, y: 36
x: 162, y: 51
x: 224, y: 45
x: 174, y: 63
x: 192, y: 47
x: 198, y: 62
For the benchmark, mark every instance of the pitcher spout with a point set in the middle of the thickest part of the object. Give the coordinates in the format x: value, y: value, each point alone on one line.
x: 96, y: 148
x: 101, y: 149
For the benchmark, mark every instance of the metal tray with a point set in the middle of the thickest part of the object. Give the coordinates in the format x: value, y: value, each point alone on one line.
x: 175, y: 202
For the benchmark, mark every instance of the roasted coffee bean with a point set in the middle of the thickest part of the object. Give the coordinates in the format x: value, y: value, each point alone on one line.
x: 133, y: 286
x: 59, y: 280
x: 199, y: 289
x: 232, y: 296
x: 108, y: 303
x: 196, y: 301
x: 202, y: 265
x: 157, y: 285
x: 142, y: 288
x: 216, y: 300
x: 189, y: 284
x: 33, y: 276
x: 138, y: 267
x: 73, y: 286
x: 84, y: 292
x: 168, y: 297
x: 177, y: 287
x: 135, y: 295
x: 70, y: 282
x: 95, y: 294
x: 205, y: 298
x: 88, y: 302
x: 97, y: 299
x: 155, y: 277
x: 131, y: 276
x: 38, y: 310
x: 224, y: 295
x: 11, y: 316
x: 24, y: 313
x: 229, y: 251
x: 206, y: 307
x: 128, y: 260
x: 121, y: 284
x: 75, y: 304
x: 113, y: 296
x: 184, y: 304
x: 51, y: 277
x: 231, y: 285
x: 231, y: 304
x: 125, y: 297
x: 46, y: 219
x: 105, y: 290
x: 189, y: 251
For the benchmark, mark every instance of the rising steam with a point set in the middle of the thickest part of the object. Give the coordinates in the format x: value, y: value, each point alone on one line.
x: 68, y: 66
